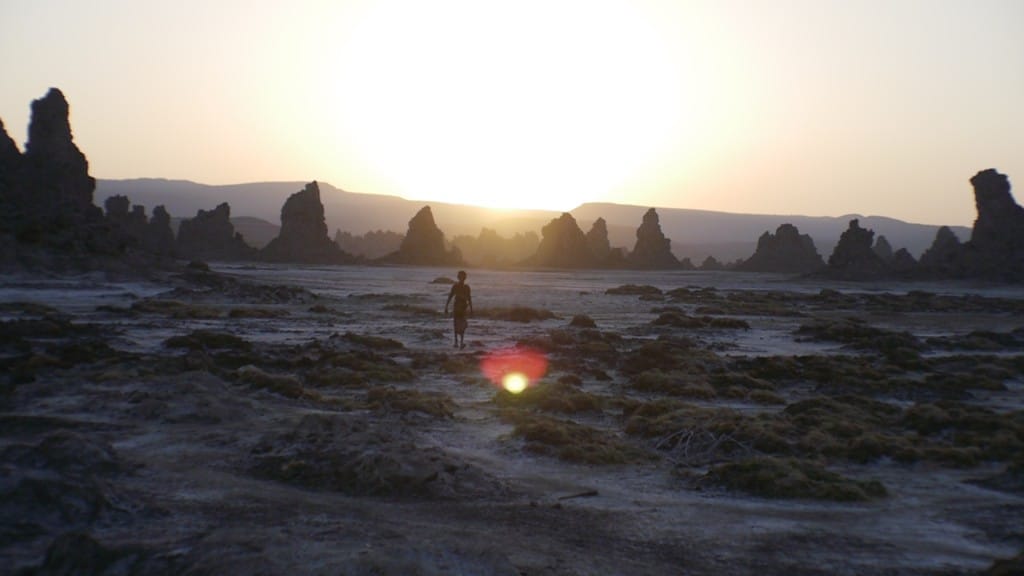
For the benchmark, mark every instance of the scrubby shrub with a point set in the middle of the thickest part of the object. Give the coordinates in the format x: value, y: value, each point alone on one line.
x: 634, y: 290
x: 390, y: 399
x: 570, y: 441
x: 284, y: 384
x: 788, y: 478
x: 207, y: 340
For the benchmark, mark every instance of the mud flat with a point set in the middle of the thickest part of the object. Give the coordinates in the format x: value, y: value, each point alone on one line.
x: 271, y: 420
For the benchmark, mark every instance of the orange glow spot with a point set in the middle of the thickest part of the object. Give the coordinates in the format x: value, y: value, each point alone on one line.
x: 515, y: 382
x: 514, y: 369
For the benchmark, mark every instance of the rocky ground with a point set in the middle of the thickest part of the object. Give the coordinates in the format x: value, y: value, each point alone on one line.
x: 203, y: 424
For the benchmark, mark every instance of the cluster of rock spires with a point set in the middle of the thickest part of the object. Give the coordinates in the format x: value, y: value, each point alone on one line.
x: 47, y: 218
x: 424, y: 244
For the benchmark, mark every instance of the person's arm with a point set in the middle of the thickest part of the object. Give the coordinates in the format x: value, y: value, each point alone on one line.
x: 469, y: 300
x: 451, y: 294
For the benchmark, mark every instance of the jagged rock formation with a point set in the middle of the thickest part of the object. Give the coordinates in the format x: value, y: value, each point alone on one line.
x: 854, y: 258
x: 711, y: 264
x: 134, y: 229
x: 373, y: 244
x: 883, y: 249
x: 56, y: 173
x: 47, y: 218
x: 600, y: 246
x: 211, y: 236
x: 303, y: 236
x: 996, y: 247
x: 424, y: 245
x: 786, y: 251
x: 597, y: 240
x: 652, y: 250
x: 131, y: 220
x: 492, y: 250
x: 944, y: 256
x: 903, y: 262
x: 563, y: 245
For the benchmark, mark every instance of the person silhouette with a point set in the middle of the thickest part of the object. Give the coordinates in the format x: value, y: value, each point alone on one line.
x: 463, y: 301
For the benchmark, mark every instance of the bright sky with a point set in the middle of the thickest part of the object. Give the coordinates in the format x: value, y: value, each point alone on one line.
x: 818, y: 107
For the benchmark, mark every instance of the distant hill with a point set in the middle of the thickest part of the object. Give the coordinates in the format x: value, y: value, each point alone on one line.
x: 728, y: 236
x: 695, y: 234
x: 351, y: 212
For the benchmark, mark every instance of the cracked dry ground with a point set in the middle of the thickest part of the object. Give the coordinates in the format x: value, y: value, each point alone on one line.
x: 648, y: 450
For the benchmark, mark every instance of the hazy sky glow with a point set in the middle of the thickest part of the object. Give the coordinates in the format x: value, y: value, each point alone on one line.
x: 819, y: 107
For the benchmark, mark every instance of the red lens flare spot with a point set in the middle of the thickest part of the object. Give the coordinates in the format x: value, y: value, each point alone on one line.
x: 514, y: 369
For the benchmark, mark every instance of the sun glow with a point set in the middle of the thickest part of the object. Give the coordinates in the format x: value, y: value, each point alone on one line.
x: 526, y: 104
x: 514, y: 369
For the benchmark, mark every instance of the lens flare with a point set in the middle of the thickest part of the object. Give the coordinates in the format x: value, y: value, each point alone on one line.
x: 514, y: 369
x: 515, y: 382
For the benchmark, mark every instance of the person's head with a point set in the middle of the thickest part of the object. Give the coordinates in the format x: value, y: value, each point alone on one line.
x: 462, y: 275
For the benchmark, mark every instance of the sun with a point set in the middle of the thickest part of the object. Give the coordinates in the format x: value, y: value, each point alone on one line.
x: 524, y: 104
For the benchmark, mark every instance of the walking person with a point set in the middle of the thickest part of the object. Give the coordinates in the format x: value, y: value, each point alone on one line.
x: 463, y: 302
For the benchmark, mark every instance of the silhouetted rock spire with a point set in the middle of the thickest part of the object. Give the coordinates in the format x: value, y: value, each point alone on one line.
x: 211, y: 236
x: 785, y: 251
x: 563, y: 245
x: 996, y: 247
x: 303, y: 236
x: 652, y: 249
x: 853, y: 257
x: 944, y: 256
x: 56, y: 173
x: 424, y: 244
x: 597, y: 240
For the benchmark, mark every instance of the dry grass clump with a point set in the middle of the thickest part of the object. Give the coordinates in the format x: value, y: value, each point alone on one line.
x: 373, y: 342
x: 957, y: 427
x: 287, y: 385
x: 459, y: 364
x: 174, y: 309
x: 522, y: 314
x: 257, y: 313
x: 695, y: 435
x: 981, y: 340
x: 208, y: 340
x: 569, y: 441
x: 789, y: 478
x: 582, y: 321
x: 680, y: 320
x: 662, y: 354
x: 675, y: 383
x: 634, y: 290
x: 390, y: 399
x: 358, y: 367
x: 560, y: 397
x: 858, y: 335
x: 413, y: 309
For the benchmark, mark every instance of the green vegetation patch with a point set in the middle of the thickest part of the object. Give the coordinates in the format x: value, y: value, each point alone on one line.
x: 570, y: 441
x: 789, y: 478
x: 522, y: 314
x: 560, y: 397
x: 394, y: 400
x: 254, y: 312
x: 174, y: 309
x: 679, y: 320
x: 634, y: 290
x: 208, y: 340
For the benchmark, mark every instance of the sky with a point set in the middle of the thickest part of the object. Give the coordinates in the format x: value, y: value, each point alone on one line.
x: 812, y: 107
